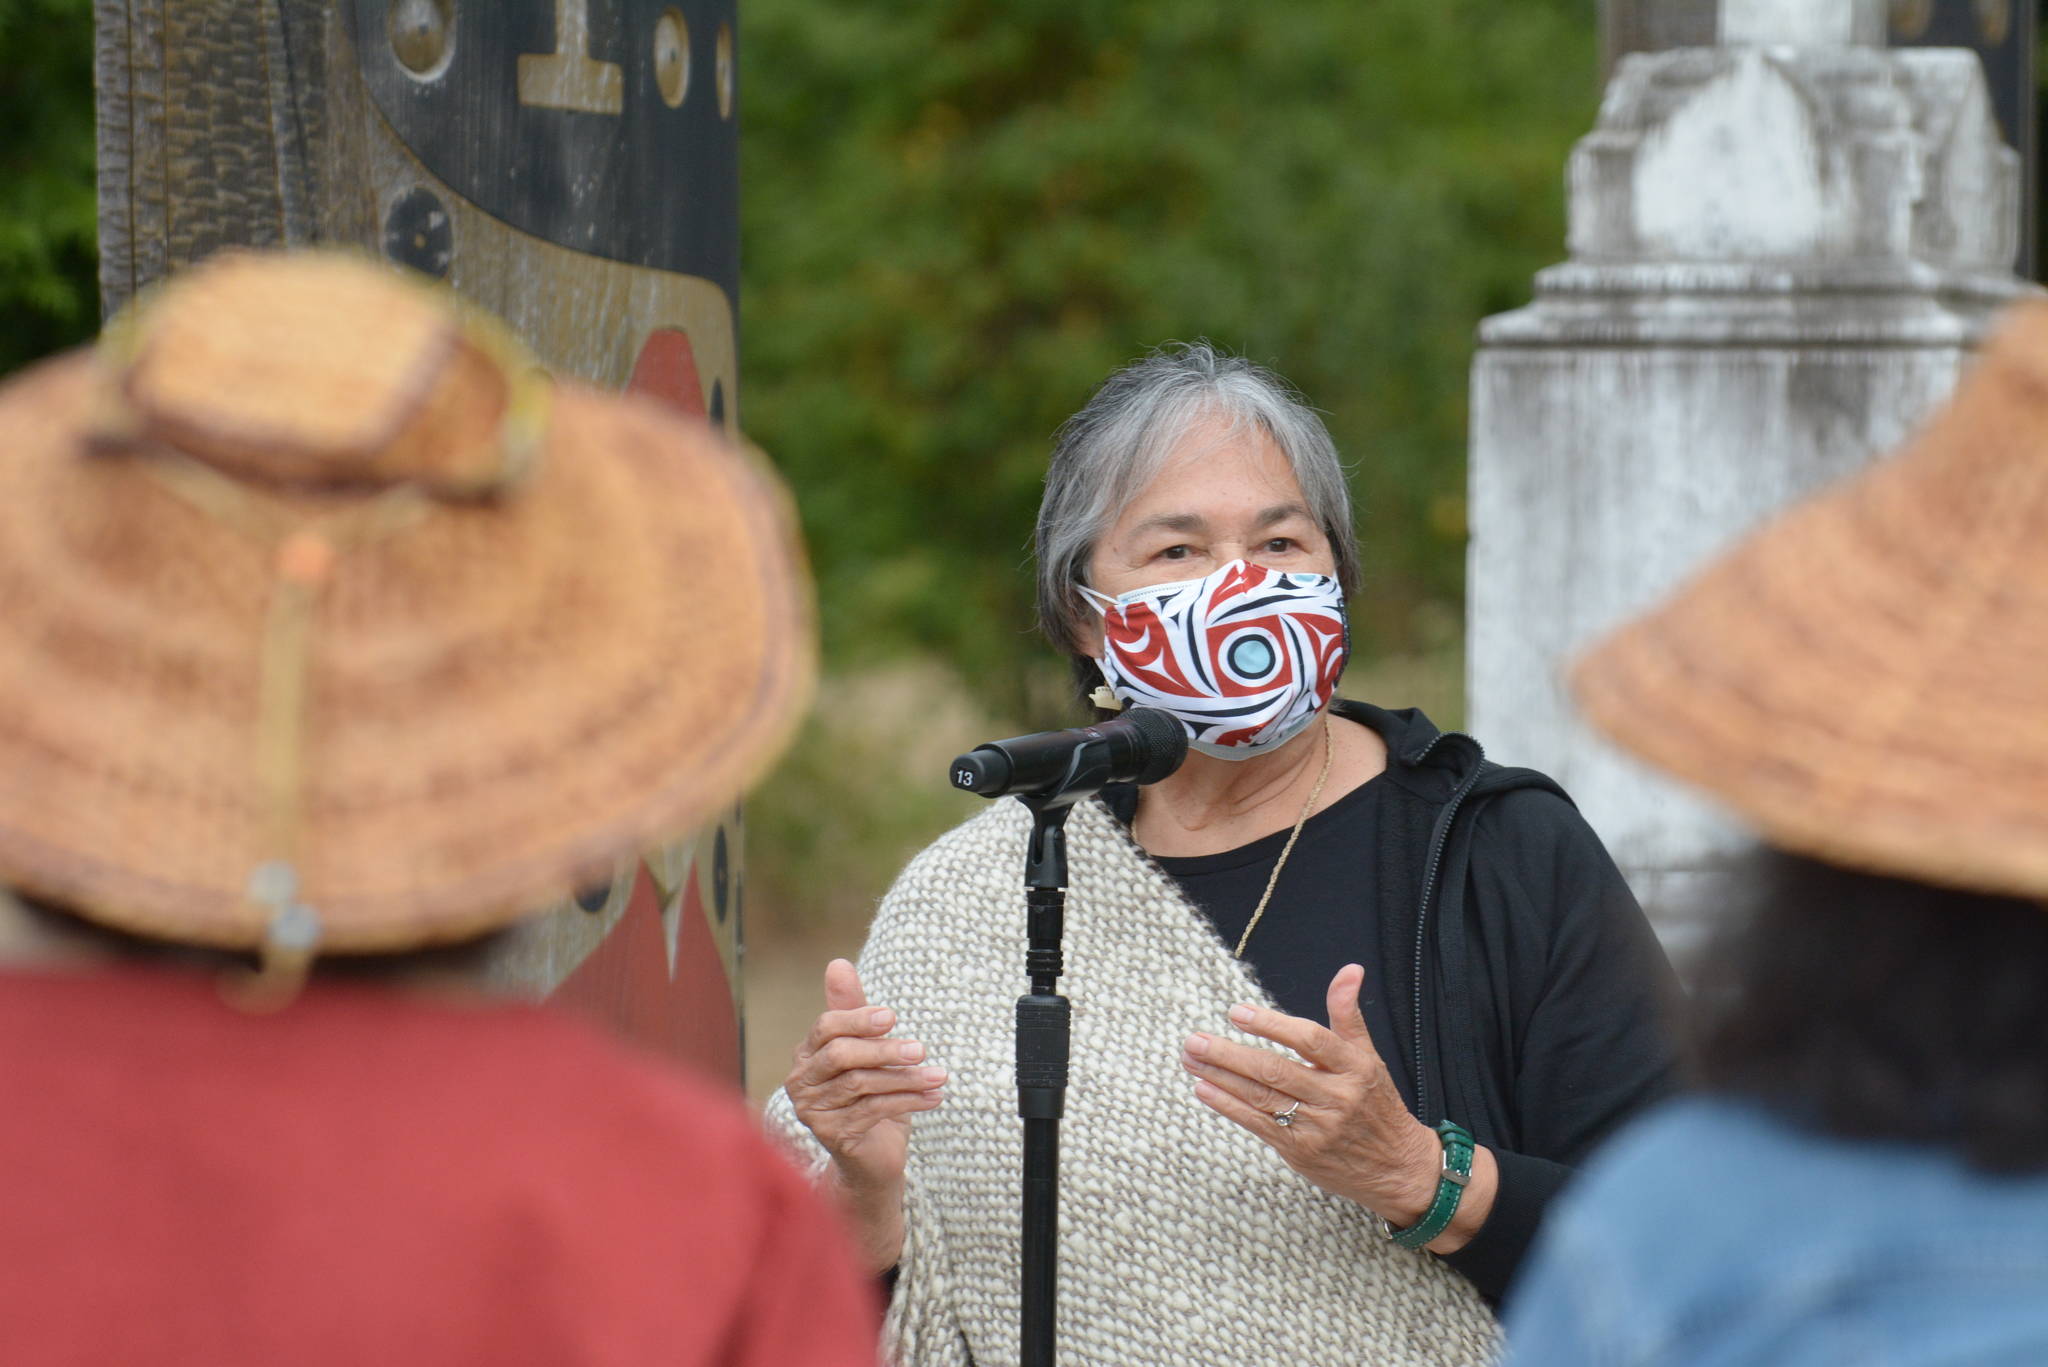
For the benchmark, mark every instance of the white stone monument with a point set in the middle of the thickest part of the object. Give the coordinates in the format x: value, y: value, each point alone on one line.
x: 1782, y: 249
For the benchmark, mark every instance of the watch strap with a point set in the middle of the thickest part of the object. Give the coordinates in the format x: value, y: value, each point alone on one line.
x: 1450, y: 1188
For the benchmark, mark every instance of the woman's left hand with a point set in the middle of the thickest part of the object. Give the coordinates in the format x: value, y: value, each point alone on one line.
x: 1348, y: 1131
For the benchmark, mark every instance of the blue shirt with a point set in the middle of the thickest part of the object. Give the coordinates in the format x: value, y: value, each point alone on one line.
x: 1710, y: 1234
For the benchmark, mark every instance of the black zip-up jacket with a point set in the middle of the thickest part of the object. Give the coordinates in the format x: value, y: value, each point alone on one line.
x: 1529, y: 992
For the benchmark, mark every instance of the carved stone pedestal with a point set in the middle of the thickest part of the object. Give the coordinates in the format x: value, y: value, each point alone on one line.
x: 1781, y: 255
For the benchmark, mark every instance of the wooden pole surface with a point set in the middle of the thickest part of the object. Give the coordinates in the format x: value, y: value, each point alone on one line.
x: 1655, y: 25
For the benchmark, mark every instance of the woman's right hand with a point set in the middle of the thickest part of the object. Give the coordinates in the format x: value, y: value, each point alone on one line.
x: 856, y: 1090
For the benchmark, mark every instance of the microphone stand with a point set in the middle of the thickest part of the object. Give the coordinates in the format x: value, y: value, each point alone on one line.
x: 1049, y: 773
x: 1043, y: 1020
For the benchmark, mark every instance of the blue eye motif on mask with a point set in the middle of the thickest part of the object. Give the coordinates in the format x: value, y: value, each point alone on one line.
x: 1250, y: 657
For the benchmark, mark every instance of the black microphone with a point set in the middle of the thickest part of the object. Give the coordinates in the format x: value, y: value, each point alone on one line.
x: 1144, y: 745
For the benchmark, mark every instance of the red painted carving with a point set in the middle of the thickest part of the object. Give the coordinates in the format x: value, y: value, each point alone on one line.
x: 667, y: 369
x: 689, y: 1015
x: 626, y: 982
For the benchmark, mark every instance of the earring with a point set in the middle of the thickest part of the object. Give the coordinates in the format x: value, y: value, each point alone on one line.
x: 1106, y: 700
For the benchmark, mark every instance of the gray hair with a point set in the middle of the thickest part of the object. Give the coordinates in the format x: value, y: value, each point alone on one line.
x: 1112, y: 448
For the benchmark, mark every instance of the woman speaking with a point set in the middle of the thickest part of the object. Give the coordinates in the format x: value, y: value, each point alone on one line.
x: 1349, y: 1001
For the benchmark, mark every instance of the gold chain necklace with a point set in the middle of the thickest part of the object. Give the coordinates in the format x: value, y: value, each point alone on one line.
x: 1329, y: 751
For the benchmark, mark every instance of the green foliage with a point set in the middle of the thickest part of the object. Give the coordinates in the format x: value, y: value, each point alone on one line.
x: 861, y: 790
x: 49, y: 290
x: 959, y: 216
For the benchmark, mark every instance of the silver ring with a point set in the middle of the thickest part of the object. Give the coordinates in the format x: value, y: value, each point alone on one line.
x: 1285, y: 1118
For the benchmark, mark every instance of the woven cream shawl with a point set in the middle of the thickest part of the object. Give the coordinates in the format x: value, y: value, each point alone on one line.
x: 1184, y: 1241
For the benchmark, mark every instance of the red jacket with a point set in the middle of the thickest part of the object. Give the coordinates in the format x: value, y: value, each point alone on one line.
x: 374, y: 1178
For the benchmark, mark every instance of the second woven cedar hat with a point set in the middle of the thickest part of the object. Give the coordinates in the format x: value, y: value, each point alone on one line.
x: 322, y: 606
x: 1866, y: 678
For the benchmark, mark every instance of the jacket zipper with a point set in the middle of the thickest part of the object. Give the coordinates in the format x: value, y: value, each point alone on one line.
x: 1436, y: 856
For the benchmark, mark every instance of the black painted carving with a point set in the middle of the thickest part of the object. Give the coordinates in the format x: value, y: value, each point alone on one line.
x: 651, y: 186
x: 721, y: 879
x: 418, y: 233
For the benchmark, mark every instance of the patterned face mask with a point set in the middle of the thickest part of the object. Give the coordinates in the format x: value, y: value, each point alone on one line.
x: 1245, y: 657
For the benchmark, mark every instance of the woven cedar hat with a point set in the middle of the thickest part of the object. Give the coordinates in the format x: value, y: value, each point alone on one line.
x: 1866, y: 678
x: 329, y: 623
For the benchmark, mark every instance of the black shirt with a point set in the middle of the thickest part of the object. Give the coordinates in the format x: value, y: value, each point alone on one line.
x: 1526, y: 988
x: 1320, y: 916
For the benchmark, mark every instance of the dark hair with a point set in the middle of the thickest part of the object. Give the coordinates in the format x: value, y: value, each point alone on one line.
x: 1881, y: 1008
x: 463, y: 958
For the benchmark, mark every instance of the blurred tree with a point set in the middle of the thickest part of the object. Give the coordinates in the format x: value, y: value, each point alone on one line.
x: 960, y: 215
x: 49, y: 272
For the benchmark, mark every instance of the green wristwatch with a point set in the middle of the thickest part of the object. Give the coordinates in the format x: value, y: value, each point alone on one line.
x: 1457, y: 1171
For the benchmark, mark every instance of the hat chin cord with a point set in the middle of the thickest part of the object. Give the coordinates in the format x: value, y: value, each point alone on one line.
x: 304, y: 566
